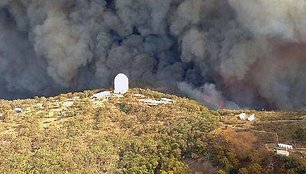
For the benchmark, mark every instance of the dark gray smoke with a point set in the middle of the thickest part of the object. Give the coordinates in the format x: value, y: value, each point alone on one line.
x: 224, y: 53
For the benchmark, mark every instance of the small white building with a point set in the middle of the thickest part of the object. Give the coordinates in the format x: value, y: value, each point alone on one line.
x: 285, y: 146
x: 18, y: 110
x: 251, y: 118
x: 152, y: 102
x: 242, y: 116
x: 121, y: 84
x: 166, y: 100
x: 101, y: 95
x: 282, y: 152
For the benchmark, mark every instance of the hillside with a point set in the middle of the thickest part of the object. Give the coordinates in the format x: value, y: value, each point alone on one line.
x: 143, y: 132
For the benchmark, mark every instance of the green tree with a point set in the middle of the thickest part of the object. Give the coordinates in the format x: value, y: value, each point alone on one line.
x: 220, y: 172
x: 255, y: 168
x: 300, y: 134
x: 243, y: 171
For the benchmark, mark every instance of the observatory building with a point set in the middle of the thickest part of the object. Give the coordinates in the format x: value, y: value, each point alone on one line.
x: 121, y: 84
x: 285, y: 146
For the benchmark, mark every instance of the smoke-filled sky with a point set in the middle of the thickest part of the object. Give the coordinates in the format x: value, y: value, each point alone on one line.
x: 223, y: 53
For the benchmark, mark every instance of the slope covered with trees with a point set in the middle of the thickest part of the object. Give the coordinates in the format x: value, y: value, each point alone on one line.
x: 74, y: 133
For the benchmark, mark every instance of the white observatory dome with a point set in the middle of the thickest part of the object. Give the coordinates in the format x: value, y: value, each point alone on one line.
x: 121, y: 84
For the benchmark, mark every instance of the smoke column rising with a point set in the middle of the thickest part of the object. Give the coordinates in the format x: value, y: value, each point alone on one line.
x: 223, y: 53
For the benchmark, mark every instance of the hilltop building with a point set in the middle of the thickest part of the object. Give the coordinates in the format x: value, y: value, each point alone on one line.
x: 282, y: 152
x: 121, y: 84
x: 285, y: 146
x: 251, y: 118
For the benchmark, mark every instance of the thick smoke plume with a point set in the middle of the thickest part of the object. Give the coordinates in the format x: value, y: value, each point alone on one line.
x: 224, y: 53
